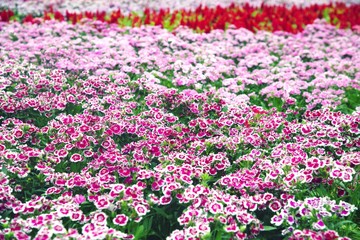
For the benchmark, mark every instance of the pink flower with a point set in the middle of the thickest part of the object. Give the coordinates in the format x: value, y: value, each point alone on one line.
x: 75, y: 216
x: 67, y: 120
x: 116, y: 128
x: 275, y: 206
x: 204, y: 228
x: 215, y: 208
x: 141, y: 210
x: 336, y: 173
x: 306, y: 129
x: 165, y: 200
x: 313, y: 163
x: 82, y: 144
x: 76, y: 158
x: 330, y: 234
x: 21, y: 235
x: 277, y: 220
x: 88, y: 228
x: 290, y: 220
x: 319, y: 225
x: 61, y: 153
x: 346, y: 177
x: 102, y: 203
x: 58, y: 228
x: 232, y: 228
x: 121, y: 220
x: 99, y: 218
x: 79, y: 199
x: 18, y: 133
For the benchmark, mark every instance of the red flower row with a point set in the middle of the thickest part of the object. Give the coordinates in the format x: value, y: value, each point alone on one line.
x: 205, y: 19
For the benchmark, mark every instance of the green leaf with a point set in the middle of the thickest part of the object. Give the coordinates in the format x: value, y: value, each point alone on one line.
x: 326, y: 15
x: 4, y: 169
x: 13, y: 37
x: 147, y: 223
x: 269, y: 228
x: 162, y: 213
x: 344, y: 222
x: 139, y: 232
x: 254, y: 13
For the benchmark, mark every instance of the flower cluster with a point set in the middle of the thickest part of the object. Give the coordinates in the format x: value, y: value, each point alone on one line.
x: 38, y: 6
x: 312, y: 211
x: 205, y: 18
x: 140, y: 133
x: 288, y: 73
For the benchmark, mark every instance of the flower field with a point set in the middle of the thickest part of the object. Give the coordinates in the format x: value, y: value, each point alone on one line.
x: 201, y: 18
x: 193, y: 122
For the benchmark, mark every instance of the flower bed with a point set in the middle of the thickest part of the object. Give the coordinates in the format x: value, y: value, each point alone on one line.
x: 205, y: 19
x: 127, y: 6
x: 140, y: 133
